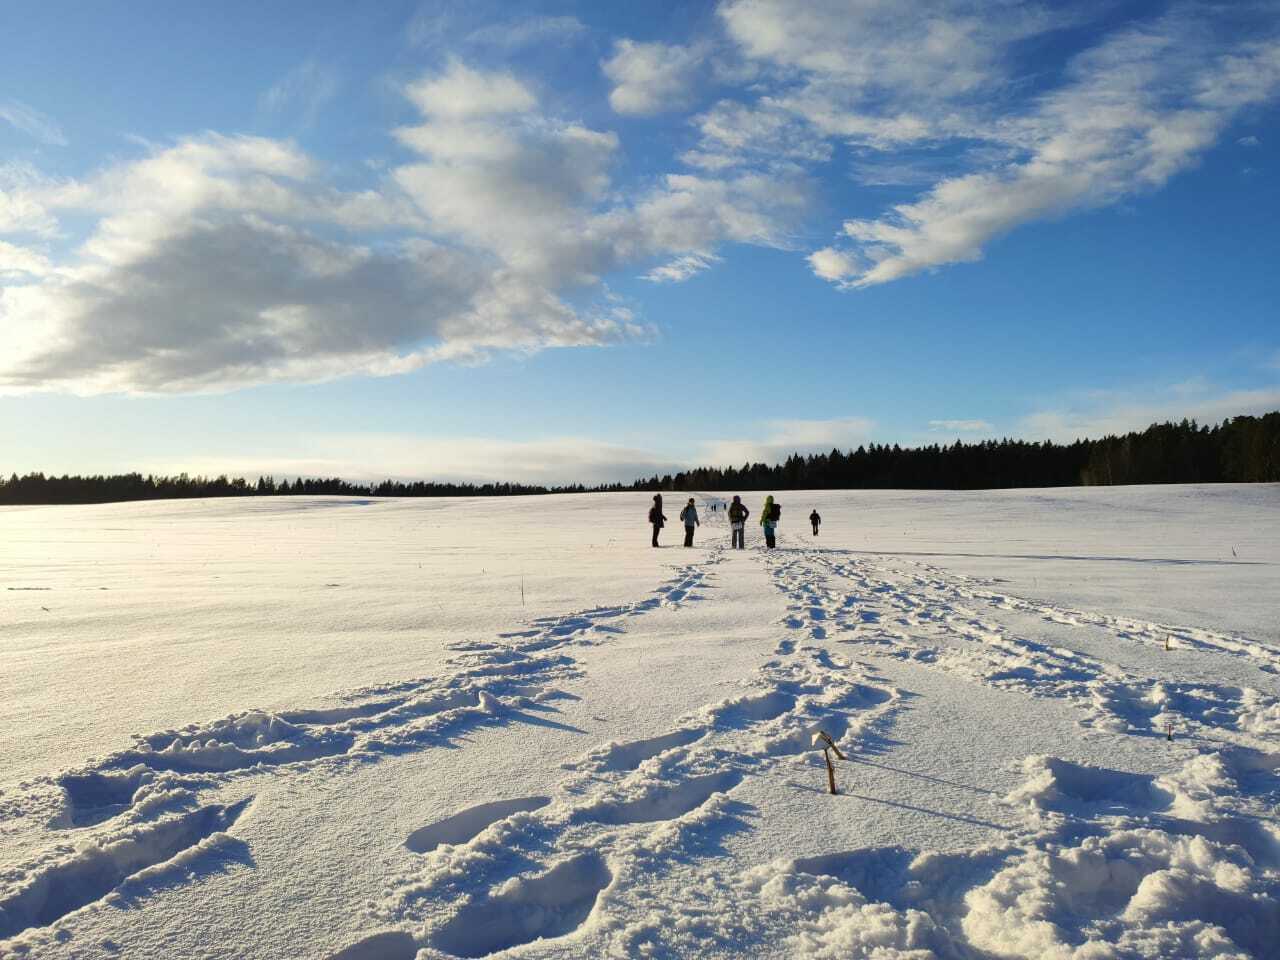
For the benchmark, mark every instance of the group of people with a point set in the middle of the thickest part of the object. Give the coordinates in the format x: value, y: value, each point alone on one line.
x: 738, y: 513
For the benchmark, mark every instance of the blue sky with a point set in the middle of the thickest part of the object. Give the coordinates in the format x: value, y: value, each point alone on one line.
x: 588, y: 241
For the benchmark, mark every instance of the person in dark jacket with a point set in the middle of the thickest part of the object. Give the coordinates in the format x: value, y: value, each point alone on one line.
x: 770, y: 514
x: 655, y: 516
x: 815, y: 520
x: 690, y: 517
x: 738, y: 514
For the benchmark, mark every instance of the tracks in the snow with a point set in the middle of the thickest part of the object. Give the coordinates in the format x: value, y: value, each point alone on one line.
x: 623, y: 810
x: 139, y: 808
x: 953, y: 624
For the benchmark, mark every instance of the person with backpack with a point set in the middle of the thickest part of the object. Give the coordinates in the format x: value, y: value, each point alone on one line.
x: 738, y: 514
x: 770, y: 514
x: 655, y: 516
x: 690, y: 517
x: 815, y: 520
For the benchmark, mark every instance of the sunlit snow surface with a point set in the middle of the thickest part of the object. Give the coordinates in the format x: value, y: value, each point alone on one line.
x: 383, y: 729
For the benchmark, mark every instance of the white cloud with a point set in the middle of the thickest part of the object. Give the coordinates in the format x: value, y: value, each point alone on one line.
x: 651, y: 78
x: 199, y: 275
x: 781, y: 438
x: 21, y: 208
x: 223, y: 261
x: 16, y: 262
x: 373, y: 457
x: 1250, y: 141
x: 1109, y: 412
x: 835, y: 265
x: 463, y: 93
x: 902, y: 48
x: 549, y: 460
x: 960, y: 426
x: 32, y: 122
x: 536, y: 193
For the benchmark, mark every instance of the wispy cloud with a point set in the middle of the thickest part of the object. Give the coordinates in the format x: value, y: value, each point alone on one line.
x: 960, y: 426
x: 302, y: 92
x: 1105, y: 412
x: 550, y: 461
x: 681, y: 268
x: 32, y: 122
x: 509, y: 35
x: 780, y: 438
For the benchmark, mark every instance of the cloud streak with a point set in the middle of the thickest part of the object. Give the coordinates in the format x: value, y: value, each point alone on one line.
x: 779, y: 439
x: 32, y: 122
x: 1117, y: 412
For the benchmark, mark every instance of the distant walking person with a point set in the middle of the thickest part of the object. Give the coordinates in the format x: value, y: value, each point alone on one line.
x: 738, y: 514
x: 815, y: 520
x: 655, y: 516
x: 770, y: 514
x: 690, y: 517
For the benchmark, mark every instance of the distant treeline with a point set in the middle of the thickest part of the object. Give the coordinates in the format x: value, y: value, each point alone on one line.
x: 1239, y: 450
x: 37, y: 488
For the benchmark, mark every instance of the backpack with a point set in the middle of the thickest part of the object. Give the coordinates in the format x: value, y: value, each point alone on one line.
x: 775, y: 514
x: 654, y: 516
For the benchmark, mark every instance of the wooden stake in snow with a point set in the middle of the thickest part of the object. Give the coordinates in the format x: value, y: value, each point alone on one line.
x: 828, y: 745
x: 1168, y: 730
x: 1166, y: 641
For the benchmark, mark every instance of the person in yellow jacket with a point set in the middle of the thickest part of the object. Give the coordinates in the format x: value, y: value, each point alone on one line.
x: 770, y: 514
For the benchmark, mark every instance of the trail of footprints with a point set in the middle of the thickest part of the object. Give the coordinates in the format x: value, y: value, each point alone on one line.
x: 935, y: 620
x: 141, y: 806
x: 548, y: 862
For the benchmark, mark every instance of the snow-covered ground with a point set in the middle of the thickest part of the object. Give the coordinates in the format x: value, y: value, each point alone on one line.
x: 384, y: 729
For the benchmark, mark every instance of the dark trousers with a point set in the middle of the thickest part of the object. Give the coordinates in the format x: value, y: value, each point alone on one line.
x: 769, y: 540
x: 738, y: 538
x: 656, y: 528
x: 688, y: 535
x: 815, y: 529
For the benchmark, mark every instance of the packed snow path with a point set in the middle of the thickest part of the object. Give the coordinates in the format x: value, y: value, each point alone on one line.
x: 640, y: 779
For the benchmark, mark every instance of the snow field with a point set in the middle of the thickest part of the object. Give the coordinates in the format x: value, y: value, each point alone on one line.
x: 638, y: 777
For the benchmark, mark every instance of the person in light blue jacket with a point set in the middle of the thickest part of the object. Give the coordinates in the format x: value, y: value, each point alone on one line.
x: 690, y: 517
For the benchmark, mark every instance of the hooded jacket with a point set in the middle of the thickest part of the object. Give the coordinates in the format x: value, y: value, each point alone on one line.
x: 770, y: 512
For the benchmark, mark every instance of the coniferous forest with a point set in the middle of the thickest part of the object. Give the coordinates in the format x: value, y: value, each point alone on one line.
x: 1239, y: 450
